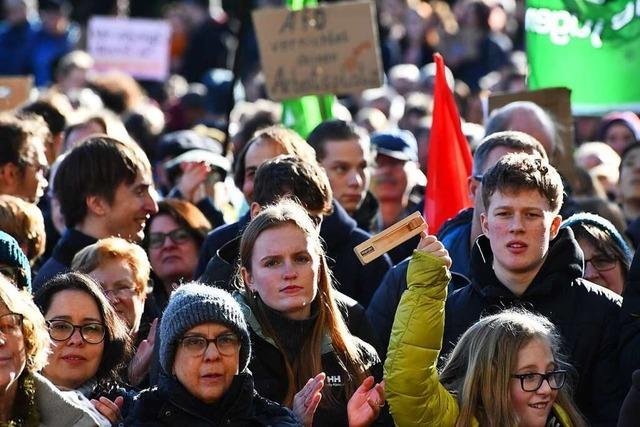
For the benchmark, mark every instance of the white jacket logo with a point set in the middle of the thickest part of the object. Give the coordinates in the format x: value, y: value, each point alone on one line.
x: 334, y: 380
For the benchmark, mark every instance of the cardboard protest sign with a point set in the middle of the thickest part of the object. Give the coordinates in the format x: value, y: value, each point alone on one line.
x: 331, y: 48
x: 139, y: 47
x: 590, y: 46
x: 557, y: 102
x: 14, y: 91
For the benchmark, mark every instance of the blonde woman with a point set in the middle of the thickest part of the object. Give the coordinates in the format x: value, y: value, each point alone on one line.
x: 26, y: 398
x: 504, y: 371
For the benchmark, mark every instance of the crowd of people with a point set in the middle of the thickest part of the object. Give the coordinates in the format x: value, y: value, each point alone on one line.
x: 171, y: 255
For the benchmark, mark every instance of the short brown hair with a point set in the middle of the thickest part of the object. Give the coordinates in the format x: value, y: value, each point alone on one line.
x: 520, y: 171
x: 91, y: 257
x: 96, y: 166
x: 17, y: 133
x: 25, y: 223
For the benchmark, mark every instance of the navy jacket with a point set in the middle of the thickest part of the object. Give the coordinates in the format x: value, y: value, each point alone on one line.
x: 586, y: 315
x: 71, y: 242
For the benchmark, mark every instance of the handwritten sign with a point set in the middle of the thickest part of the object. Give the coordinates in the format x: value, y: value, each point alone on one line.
x: 332, y: 48
x: 139, y: 47
x: 14, y: 91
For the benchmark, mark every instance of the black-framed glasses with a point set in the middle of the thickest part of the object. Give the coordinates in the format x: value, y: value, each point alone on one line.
x: 177, y: 236
x: 601, y: 263
x: 533, y: 381
x: 61, y: 330
x: 11, y: 324
x: 227, y: 344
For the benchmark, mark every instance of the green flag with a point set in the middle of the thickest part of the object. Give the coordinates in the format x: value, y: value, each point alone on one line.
x: 591, y: 47
x: 305, y: 113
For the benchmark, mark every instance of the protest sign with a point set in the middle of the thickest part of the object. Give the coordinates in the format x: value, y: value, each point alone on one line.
x: 590, y: 46
x: 14, y: 91
x: 557, y: 102
x: 139, y: 47
x: 331, y: 48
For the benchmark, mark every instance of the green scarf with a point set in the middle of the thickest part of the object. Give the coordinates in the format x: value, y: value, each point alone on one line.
x: 25, y: 411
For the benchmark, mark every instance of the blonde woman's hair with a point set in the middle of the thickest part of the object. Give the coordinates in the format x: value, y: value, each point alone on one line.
x: 478, y: 370
x: 25, y: 223
x: 91, y: 257
x: 34, y: 330
x: 329, y: 319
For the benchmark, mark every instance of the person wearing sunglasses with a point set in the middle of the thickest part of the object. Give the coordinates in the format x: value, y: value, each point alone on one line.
x: 27, y: 398
x: 607, y: 256
x: 204, y: 380
x: 89, y: 342
x: 173, y: 239
x: 505, y: 370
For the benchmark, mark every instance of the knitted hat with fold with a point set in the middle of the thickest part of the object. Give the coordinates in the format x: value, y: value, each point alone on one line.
x: 604, y: 225
x: 11, y: 255
x: 193, y: 304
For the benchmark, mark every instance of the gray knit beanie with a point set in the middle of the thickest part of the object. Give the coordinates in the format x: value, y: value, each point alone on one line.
x: 193, y: 304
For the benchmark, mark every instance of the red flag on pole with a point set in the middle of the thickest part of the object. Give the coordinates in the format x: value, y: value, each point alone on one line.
x: 449, y: 162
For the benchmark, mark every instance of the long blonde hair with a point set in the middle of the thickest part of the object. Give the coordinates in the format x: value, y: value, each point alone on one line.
x: 478, y: 370
x: 329, y: 319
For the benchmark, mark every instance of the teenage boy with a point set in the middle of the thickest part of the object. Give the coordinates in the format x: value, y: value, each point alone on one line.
x: 525, y: 260
x: 105, y: 189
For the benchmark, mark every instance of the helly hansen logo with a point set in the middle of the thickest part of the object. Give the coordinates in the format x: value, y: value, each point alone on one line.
x: 334, y: 380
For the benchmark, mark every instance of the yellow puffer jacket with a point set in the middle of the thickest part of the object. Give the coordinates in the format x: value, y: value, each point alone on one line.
x: 412, y: 386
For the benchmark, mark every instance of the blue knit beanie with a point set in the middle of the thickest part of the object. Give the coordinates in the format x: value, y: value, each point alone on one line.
x: 602, y: 224
x: 11, y: 255
x: 193, y: 304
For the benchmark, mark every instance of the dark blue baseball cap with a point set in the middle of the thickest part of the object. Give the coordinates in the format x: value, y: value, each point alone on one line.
x: 399, y: 144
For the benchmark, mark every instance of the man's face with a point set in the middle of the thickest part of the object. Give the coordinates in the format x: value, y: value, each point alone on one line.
x: 31, y: 181
x: 258, y: 153
x: 519, y: 226
x: 347, y: 168
x: 390, y: 180
x: 132, y: 206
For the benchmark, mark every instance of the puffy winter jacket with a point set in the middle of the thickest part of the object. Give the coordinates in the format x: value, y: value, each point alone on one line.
x: 413, y: 389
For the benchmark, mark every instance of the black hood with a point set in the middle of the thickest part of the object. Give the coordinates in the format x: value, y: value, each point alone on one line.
x: 337, y: 227
x: 564, y: 264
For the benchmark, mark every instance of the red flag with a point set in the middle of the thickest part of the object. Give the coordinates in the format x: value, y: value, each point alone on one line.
x: 449, y: 162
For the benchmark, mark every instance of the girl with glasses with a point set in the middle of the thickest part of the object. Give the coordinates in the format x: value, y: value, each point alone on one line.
x: 204, y: 353
x: 89, y: 342
x: 505, y: 370
x: 26, y: 398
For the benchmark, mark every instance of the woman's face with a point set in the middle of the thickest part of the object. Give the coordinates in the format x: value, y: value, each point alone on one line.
x: 533, y: 407
x: 600, y: 268
x: 13, y: 355
x: 118, y: 282
x: 630, y: 176
x: 177, y: 256
x: 207, y: 374
x: 74, y: 361
x: 284, y: 270
x: 618, y: 136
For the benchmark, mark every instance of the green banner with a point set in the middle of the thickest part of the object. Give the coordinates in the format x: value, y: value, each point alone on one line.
x: 591, y: 47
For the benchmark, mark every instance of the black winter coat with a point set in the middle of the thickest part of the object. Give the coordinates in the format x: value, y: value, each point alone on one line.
x: 170, y: 404
x: 586, y: 315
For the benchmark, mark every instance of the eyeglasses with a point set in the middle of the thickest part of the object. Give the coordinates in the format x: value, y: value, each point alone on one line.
x: 11, y: 324
x: 601, y: 263
x: 533, y: 381
x: 39, y: 168
x: 177, y: 236
x: 120, y: 293
x: 196, y: 345
x: 61, y: 330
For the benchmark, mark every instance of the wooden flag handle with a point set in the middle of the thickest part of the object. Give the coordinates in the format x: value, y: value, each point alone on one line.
x: 388, y: 239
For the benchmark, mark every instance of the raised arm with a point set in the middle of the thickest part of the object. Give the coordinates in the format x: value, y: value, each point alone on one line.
x: 413, y: 389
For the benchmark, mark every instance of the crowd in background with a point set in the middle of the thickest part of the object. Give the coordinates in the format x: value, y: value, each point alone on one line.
x: 146, y: 221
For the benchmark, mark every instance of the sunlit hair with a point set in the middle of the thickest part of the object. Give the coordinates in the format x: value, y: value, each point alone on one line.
x: 186, y: 215
x: 25, y: 223
x: 115, y: 248
x: 517, y: 172
x: 117, y: 343
x: 329, y: 319
x: 478, y: 370
x: 34, y: 330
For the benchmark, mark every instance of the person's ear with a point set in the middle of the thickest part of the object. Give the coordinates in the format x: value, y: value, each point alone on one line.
x: 254, y: 209
x: 246, y: 278
x: 483, y: 223
x: 555, y: 226
x: 472, y: 188
x: 97, y: 205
